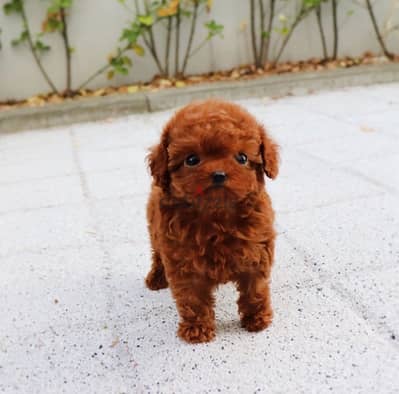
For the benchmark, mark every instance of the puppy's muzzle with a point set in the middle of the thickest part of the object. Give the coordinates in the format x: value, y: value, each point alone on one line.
x: 218, y: 177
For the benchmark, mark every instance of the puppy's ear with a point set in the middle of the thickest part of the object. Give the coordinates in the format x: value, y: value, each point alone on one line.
x: 269, y: 152
x: 158, y: 162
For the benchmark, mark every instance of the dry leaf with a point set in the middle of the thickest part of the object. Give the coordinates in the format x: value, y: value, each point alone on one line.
x: 99, y: 92
x: 115, y: 342
x: 35, y: 101
x: 164, y: 83
x: 235, y: 74
x: 55, y: 99
x: 169, y: 10
x: 366, y: 129
x: 132, y: 89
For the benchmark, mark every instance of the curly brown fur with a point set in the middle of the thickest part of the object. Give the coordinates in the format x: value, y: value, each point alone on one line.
x: 204, y: 234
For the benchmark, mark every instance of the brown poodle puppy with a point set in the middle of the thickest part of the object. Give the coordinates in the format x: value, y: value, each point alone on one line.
x: 210, y: 218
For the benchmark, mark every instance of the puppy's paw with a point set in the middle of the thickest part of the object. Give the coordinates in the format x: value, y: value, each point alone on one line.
x: 156, y: 280
x: 257, y: 322
x: 196, y: 332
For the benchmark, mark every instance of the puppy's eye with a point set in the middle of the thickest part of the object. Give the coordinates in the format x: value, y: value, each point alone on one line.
x: 192, y: 160
x: 242, y: 158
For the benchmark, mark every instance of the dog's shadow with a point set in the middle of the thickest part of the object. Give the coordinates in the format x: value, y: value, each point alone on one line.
x: 228, y: 326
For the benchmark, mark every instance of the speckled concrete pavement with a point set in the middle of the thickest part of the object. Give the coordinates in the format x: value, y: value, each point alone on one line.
x: 75, y: 314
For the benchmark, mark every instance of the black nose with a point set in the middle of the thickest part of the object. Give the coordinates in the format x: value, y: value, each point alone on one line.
x: 218, y: 177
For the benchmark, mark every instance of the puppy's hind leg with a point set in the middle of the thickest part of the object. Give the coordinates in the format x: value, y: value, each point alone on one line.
x: 156, y: 278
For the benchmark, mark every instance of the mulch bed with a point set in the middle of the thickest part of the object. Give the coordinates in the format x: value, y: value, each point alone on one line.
x: 238, y: 73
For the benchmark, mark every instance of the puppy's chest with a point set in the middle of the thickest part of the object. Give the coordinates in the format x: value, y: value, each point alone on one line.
x: 220, y: 252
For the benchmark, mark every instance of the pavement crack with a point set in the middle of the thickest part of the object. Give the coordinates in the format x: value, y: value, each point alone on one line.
x: 98, y: 234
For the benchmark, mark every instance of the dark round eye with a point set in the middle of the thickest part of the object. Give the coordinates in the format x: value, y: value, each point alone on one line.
x: 192, y: 160
x: 242, y: 158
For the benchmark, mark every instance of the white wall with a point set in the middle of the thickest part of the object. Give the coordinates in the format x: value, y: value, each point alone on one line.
x: 95, y: 26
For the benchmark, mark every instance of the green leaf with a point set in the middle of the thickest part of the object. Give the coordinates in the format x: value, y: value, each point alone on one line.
x: 23, y: 37
x: 65, y: 3
x: 12, y: 6
x: 53, y: 9
x: 138, y: 49
x: 131, y: 35
x: 121, y: 70
x: 155, y: 5
x: 265, y: 34
x: 214, y: 29
x: 185, y: 13
x: 53, y: 24
x: 110, y: 74
x: 311, y: 3
x: 146, y: 20
x: 41, y: 47
x: 284, y: 31
x: 127, y: 61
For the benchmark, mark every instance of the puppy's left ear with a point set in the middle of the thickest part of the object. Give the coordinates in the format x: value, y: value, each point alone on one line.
x: 158, y: 162
x: 269, y: 152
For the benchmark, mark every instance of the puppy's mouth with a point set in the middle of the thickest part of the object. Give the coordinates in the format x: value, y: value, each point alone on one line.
x: 218, y: 191
x: 216, y: 187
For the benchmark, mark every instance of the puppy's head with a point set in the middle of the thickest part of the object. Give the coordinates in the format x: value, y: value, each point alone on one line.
x: 211, y: 148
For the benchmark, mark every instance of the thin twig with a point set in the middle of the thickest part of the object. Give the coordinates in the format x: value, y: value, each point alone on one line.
x: 269, y: 31
x: 262, y: 36
x: 197, y: 48
x: 34, y: 52
x: 253, y: 33
x: 177, y: 42
x: 167, y: 50
x: 388, y: 54
x: 321, y: 30
x: 303, y: 12
x: 191, y: 36
x: 65, y: 39
x: 151, y: 46
x: 335, y: 26
x: 101, y: 70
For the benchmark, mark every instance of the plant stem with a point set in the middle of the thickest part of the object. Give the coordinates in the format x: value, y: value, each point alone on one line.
x: 151, y: 47
x: 301, y: 14
x: 177, y: 43
x: 65, y: 38
x: 388, y: 54
x: 151, y: 44
x: 253, y: 33
x: 191, y: 37
x: 321, y: 30
x: 335, y: 25
x: 101, y: 70
x: 167, y: 50
x: 34, y: 52
x: 269, y: 30
x: 262, y: 37
x: 198, y: 47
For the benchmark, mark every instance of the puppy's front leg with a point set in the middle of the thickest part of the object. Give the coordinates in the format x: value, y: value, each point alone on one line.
x: 195, y: 303
x: 254, y: 302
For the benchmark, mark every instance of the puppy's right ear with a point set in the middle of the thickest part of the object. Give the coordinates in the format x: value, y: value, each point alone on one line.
x: 158, y: 162
x: 269, y: 153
